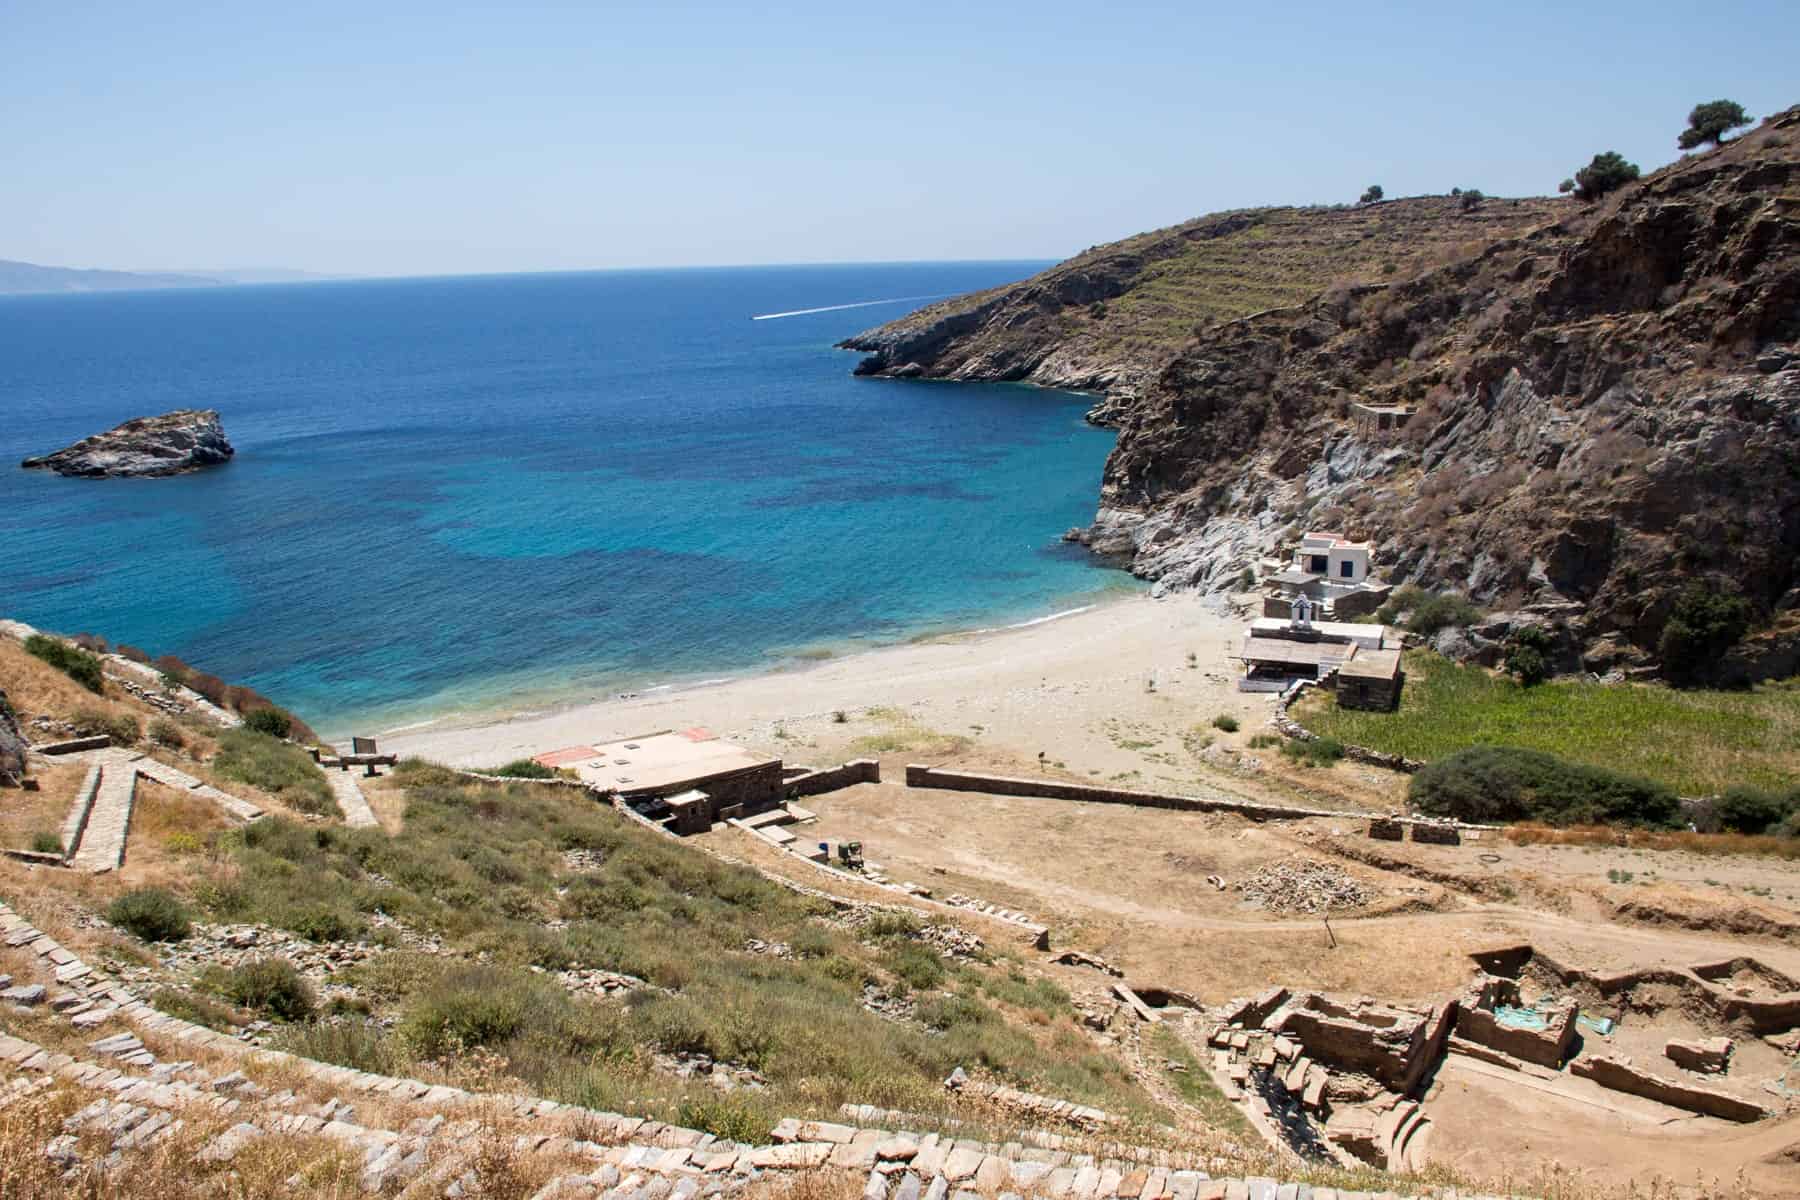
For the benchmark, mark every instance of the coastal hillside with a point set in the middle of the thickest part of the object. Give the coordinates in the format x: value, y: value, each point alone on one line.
x: 21, y: 278
x: 1113, y: 316
x: 1608, y: 408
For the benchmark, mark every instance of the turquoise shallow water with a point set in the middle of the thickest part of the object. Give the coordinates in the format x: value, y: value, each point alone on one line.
x: 461, y: 494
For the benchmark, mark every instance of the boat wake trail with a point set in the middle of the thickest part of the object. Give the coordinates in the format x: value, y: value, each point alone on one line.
x: 801, y: 312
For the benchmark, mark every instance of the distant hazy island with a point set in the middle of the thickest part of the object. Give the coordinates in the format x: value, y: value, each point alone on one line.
x: 21, y: 278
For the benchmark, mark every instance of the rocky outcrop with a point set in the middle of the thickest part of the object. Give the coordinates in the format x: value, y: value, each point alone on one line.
x: 1111, y: 318
x: 1607, y: 411
x: 172, y: 444
x: 12, y: 745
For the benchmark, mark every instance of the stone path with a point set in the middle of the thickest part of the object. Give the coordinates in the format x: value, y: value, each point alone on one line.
x: 102, y: 845
x: 350, y: 799
x: 143, y: 1101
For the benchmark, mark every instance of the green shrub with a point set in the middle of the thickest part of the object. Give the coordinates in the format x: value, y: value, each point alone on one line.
x: 45, y: 842
x: 152, y: 914
x: 76, y: 663
x: 1528, y: 655
x: 947, y: 1012
x: 1426, y: 611
x: 1703, y: 624
x: 347, y: 1043
x: 733, y: 1119
x: 1312, y: 752
x: 1471, y: 199
x: 284, y: 771
x: 915, y: 964
x: 269, y: 986
x: 1503, y: 783
x: 524, y: 768
x: 474, y: 1006
x: 121, y: 729
x: 189, y: 1007
x: 167, y: 733
x: 1371, y: 194
x: 1225, y: 722
x: 272, y: 721
x: 1262, y: 741
x: 1754, y: 810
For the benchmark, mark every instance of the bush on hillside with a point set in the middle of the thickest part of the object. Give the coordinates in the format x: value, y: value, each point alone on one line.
x: 1754, y: 810
x: 1710, y: 122
x: 1225, y: 723
x: 131, y: 652
x: 1500, y: 784
x: 268, y: 986
x: 45, y: 842
x: 76, y: 663
x: 1427, y: 612
x: 122, y: 728
x: 1703, y: 624
x: 1528, y: 655
x: 1471, y: 199
x: 151, y: 914
x: 1608, y: 172
x: 524, y: 768
x: 167, y: 733
x: 1371, y: 194
x: 284, y: 771
x: 270, y: 720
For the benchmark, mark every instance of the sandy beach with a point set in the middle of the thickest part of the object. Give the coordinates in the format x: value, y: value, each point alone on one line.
x: 1090, y: 689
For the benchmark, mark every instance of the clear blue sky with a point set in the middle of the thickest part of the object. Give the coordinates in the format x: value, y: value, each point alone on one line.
x: 418, y: 136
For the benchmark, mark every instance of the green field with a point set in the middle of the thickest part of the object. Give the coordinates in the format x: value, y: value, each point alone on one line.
x: 1697, y: 742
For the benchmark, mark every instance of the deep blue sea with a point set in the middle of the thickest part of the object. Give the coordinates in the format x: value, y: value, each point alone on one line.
x: 471, y: 494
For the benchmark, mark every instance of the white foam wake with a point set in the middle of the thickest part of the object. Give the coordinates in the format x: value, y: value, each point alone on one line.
x: 801, y: 312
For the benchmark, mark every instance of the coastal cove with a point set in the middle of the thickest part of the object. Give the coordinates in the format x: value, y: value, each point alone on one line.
x: 484, y: 495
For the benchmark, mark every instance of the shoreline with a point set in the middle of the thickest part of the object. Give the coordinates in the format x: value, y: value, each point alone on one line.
x: 529, y: 697
x: 1061, y: 681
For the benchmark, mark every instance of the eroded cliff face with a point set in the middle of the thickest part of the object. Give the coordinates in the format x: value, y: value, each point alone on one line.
x: 1609, y: 409
x: 1608, y: 396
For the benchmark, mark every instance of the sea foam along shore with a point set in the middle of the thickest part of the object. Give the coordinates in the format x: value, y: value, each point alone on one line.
x: 1038, y: 684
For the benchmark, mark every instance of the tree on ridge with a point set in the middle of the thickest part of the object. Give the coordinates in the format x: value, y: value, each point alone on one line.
x: 1710, y: 122
x: 1608, y: 172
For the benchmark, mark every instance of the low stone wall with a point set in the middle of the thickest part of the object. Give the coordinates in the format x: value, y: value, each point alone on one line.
x: 75, y: 824
x: 922, y: 776
x: 1478, y: 1023
x: 486, y: 778
x: 830, y: 779
x: 1623, y: 1077
x: 74, y: 745
x: 1435, y: 834
x: 1288, y: 727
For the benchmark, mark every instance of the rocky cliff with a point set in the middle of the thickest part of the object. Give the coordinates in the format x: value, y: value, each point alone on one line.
x: 171, y: 444
x: 12, y: 745
x: 1608, y: 410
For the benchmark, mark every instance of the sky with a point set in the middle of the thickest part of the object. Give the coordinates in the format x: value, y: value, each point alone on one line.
x: 426, y: 137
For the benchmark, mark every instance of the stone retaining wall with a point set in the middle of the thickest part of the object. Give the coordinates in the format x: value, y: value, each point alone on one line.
x: 1621, y: 1076
x: 76, y: 823
x: 830, y: 779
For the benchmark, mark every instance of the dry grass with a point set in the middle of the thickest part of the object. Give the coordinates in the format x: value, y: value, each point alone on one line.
x: 1529, y: 834
x: 25, y: 813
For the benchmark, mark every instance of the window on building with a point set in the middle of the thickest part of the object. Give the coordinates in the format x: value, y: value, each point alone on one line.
x: 1320, y: 565
x: 1346, y: 568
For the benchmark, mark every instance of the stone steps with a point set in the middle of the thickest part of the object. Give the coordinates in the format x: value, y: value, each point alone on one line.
x: 102, y: 845
x: 351, y: 801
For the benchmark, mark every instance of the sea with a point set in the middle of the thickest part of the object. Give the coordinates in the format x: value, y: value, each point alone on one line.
x: 500, y: 494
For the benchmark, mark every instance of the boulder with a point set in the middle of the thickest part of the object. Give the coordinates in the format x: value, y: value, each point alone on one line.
x: 1708, y: 1056
x: 12, y: 746
x: 172, y: 444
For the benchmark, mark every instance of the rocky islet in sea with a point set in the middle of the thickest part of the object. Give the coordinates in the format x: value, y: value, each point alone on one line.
x: 172, y: 444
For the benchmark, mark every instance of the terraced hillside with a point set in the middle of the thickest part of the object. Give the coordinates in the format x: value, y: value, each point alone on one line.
x: 1114, y: 315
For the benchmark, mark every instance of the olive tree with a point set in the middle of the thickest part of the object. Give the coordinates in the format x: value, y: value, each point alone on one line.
x: 1710, y: 122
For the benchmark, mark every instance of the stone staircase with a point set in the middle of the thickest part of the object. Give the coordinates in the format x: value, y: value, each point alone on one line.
x: 99, y: 820
x: 420, y: 1137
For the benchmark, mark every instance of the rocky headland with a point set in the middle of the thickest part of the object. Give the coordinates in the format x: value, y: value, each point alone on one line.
x: 172, y: 444
x: 1605, y: 404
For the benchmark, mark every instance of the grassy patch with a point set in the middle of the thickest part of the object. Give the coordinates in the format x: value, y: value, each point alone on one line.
x: 284, y: 771
x: 1194, y: 1084
x: 902, y: 734
x: 481, y: 865
x: 1696, y: 742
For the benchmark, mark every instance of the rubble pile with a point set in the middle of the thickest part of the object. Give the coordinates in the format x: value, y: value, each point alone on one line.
x: 1304, y: 885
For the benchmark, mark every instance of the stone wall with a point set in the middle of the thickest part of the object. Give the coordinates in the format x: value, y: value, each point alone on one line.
x: 1548, y: 1047
x: 1621, y: 1076
x: 830, y: 779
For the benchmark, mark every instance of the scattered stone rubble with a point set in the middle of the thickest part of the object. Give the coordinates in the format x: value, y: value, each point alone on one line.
x: 1304, y: 885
